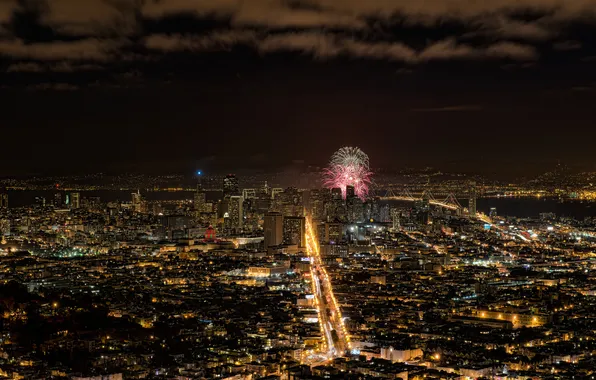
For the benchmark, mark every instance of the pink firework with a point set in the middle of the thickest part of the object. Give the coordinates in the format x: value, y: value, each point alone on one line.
x: 348, y: 167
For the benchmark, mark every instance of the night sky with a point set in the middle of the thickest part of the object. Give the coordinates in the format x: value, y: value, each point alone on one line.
x: 502, y: 87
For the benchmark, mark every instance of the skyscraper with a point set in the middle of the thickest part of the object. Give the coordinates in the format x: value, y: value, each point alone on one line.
x: 58, y: 200
x: 350, y: 192
x: 137, y: 202
x: 3, y: 200
x: 235, y: 212
x: 199, y: 201
x: 75, y: 200
x: 472, y: 199
x: 294, y: 228
x: 249, y: 193
x: 336, y: 193
x: 230, y: 185
x: 395, y: 218
x: 273, y: 228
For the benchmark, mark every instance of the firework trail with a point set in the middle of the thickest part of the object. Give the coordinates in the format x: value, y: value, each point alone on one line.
x: 348, y: 166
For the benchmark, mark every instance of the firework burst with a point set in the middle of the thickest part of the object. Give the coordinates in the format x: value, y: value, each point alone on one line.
x: 348, y: 167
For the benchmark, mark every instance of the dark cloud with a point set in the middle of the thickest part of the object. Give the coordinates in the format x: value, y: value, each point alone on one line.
x: 53, y: 87
x: 458, y: 108
x: 80, y: 50
x: 395, y: 30
x: 567, y: 45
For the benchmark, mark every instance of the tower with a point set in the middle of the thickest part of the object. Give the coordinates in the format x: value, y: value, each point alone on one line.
x: 273, y: 228
x: 294, y: 228
x: 472, y: 199
x: 199, y: 201
x: 75, y: 200
x: 3, y: 200
x: 235, y: 212
x: 58, y: 200
x: 137, y: 201
x: 350, y: 192
x: 230, y: 185
x: 395, y: 218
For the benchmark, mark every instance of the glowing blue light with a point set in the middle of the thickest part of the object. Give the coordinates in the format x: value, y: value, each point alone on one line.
x: 199, y: 172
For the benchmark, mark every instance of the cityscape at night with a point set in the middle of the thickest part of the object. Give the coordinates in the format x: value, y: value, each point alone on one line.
x: 297, y: 189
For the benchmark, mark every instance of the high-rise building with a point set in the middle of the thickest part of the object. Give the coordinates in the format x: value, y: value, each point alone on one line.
x: 318, y: 199
x: 230, y: 185
x: 249, y: 193
x: 58, y: 200
x: 395, y: 218
x: 273, y: 228
x: 137, y: 202
x: 294, y: 228
x: 199, y: 201
x: 235, y: 212
x: 275, y: 191
x: 333, y: 233
x: 336, y: 193
x: 472, y: 199
x: 40, y: 201
x: 3, y: 200
x: 350, y: 192
x: 74, y: 200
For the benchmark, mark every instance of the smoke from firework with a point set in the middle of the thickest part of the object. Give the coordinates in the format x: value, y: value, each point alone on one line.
x: 348, y: 167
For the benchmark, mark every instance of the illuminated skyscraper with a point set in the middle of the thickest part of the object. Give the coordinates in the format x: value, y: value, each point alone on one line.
x: 235, y: 212
x: 336, y: 193
x: 276, y: 191
x: 350, y: 192
x: 472, y: 199
x: 230, y: 185
x: 3, y: 200
x: 199, y: 201
x: 58, y: 200
x: 395, y: 218
x: 74, y: 200
x: 273, y: 228
x: 249, y: 193
x: 294, y: 228
x: 137, y: 202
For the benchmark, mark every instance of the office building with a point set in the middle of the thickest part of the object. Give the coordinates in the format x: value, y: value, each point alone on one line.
x: 472, y: 199
x: 249, y: 193
x: 74, y: 200
x: 137, y: 202
x: 333, y: 233
x: 58, y: 200
x: 230, y: 185
x: 294, y: 228
x: 276, y: 191
x: 336, y: 193
x: 235, y: 212
x: 273, y: 229
x: 3, y: 200
x: 350, y: 192
x: 199, y: 201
